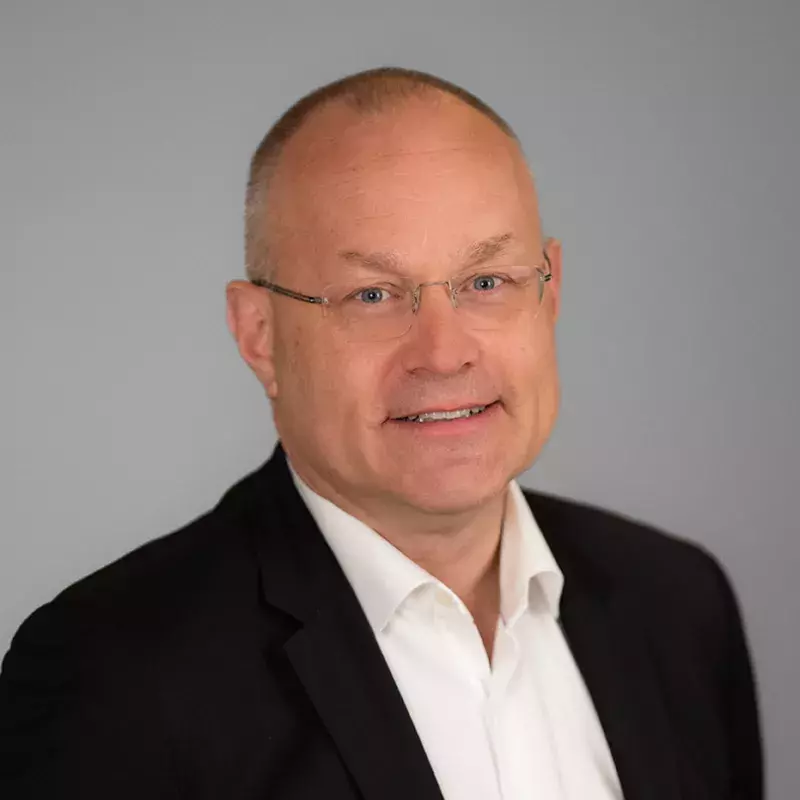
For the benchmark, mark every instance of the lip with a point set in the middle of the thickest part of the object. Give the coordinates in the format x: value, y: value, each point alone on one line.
x: 443, y: 407
x: 463, y: 426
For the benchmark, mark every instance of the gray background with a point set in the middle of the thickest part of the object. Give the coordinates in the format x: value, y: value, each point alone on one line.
x: 665, y: 139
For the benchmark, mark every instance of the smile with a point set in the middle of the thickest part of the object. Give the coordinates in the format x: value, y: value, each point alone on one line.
x: 439, y: 416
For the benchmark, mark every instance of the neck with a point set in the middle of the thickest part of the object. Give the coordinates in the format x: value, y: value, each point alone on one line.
x: 461, y: 551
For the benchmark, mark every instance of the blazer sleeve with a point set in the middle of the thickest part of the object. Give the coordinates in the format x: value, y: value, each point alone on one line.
x: 74, y: 719
x: 741, y: 707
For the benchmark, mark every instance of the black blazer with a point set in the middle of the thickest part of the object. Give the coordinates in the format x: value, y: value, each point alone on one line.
x: 232, y: 660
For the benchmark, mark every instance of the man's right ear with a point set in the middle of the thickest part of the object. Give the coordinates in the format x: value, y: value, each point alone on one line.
x: 249, y: 316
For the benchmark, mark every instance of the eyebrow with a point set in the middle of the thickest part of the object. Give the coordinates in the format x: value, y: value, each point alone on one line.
x: 477, y: 253
x: 487, y: 249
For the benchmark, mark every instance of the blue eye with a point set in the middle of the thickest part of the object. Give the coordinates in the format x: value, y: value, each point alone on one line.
x: 484, y: 283
x: 371, y: 295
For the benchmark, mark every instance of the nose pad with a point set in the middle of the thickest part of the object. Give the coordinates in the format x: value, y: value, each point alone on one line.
x: 418, y: 294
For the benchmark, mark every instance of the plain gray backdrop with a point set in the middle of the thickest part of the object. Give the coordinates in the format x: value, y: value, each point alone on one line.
x: 664, y: 134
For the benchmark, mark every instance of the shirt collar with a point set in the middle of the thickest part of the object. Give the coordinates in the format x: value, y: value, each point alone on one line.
x: 383, y: 578
x: 526, y: 561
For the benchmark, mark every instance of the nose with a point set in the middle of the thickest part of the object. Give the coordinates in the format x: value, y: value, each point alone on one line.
x: 438, y: 341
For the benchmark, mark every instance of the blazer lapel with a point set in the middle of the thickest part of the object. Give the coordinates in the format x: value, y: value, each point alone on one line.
x: 348, y: 681
x: 611, y: 651
x: 334, y: 652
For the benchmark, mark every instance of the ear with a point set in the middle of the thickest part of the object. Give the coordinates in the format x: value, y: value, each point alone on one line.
x: 553, y: 249
x: 250, y: 321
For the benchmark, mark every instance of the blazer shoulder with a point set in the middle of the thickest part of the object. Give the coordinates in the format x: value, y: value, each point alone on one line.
x: 628, y: 552
x: 136, y: 603
x: 677, y: 589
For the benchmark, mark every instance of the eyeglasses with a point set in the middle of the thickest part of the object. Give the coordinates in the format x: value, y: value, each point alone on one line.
x: 487, y: 300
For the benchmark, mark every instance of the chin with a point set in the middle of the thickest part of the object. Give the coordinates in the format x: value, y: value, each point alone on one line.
x: 453, y: 488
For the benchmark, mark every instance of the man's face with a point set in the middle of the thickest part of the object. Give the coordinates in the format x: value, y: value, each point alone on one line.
x: 423, y: 184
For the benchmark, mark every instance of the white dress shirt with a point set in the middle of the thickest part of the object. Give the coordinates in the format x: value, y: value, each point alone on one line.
x: 522, y: 726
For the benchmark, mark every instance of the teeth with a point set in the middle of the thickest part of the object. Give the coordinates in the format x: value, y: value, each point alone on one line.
x: 436, y: 416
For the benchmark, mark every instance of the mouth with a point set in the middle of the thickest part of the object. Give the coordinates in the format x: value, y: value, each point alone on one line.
x: 446, y: 416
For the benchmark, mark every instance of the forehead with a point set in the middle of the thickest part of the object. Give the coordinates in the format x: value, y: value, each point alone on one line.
x: 424, y: 180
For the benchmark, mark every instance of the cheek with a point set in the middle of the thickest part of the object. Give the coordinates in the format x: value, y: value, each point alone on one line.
x: 328, y: 377
x: 298, y: 367
x: 534, y: 370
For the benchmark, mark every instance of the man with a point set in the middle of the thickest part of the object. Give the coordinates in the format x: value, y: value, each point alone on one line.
x: 379, y: 611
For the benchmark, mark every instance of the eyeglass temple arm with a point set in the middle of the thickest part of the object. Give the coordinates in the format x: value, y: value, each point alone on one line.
x: 549, y: 275
x: 273, y: 287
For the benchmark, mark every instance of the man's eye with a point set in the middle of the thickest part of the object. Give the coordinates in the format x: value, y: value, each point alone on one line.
x: 372, y: 295
x: 485, y: 283
x: 378, y: 295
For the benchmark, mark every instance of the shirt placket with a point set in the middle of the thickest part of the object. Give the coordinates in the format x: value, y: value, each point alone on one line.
x: 489, y: 680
